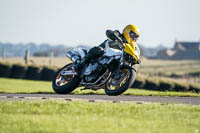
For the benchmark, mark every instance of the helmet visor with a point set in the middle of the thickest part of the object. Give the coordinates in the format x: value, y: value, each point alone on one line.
x: 133, y: 35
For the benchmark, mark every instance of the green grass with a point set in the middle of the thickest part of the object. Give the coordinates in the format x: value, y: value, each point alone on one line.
x: 28, y: 86
x: 24, y: 86
x: 39, y: 116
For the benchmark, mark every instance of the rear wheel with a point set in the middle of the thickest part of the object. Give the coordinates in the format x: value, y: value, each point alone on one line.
x: 62, y: 83
x: 117, y: 85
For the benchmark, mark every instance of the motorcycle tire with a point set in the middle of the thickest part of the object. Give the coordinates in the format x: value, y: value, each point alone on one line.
x: 125, y: 86
x: 68, y: 87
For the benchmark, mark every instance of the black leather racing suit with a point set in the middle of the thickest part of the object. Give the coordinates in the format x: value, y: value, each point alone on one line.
x: 115, y: 40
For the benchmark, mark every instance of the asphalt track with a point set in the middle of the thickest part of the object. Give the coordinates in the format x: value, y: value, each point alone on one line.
x: 96, y: 98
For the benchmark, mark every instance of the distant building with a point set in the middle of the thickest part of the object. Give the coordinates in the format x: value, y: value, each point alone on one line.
x: 181, y: 50
x: 150, y: 52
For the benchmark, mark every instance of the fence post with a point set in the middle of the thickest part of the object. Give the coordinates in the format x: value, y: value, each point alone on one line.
x: 26, y: 58
x: 51, y: 57
x: 3, y: 54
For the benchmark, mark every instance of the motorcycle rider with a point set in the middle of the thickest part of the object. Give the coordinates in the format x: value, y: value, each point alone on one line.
x: 115, y: 40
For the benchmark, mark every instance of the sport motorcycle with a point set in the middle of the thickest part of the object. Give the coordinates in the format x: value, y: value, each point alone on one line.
x: 100, y: 73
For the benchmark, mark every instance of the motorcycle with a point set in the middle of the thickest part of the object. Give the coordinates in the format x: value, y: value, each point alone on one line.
x: 99, y: 73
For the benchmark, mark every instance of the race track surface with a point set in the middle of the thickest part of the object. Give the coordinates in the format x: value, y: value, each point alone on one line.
x: 94, y: 98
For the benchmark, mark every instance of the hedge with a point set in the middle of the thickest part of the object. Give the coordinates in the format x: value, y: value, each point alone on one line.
x: 139, y: 82
x: 27, y: 72
x: 33, y: 73
x: 47, y: 73
x: 166, y: 85
x: 151, y: 84
x: 194, y: 88
x: 178, y: 86
x: 5, y: 70
x: 18, y: 71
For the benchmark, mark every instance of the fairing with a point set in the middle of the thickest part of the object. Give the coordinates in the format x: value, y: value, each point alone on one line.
x: 133, y: 50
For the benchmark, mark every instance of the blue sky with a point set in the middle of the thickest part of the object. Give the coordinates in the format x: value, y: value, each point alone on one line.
x: 74, y: 22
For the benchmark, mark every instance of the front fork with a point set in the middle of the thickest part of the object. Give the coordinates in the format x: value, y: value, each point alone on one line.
x: 116, y: 65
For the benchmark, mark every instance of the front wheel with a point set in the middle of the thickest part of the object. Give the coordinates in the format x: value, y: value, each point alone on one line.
x: 117, y: 85
x: 63, y: 84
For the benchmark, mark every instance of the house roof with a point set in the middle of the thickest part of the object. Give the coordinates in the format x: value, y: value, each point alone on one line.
x: 189, y: 45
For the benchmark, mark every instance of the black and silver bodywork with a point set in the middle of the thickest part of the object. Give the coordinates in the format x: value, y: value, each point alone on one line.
x: 98, y: 73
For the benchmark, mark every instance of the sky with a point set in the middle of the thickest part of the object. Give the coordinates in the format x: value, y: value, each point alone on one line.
x: 75, y: 22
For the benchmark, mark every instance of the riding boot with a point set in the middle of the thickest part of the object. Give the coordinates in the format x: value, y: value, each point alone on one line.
x: 93, y: 53
x: 80, y: 65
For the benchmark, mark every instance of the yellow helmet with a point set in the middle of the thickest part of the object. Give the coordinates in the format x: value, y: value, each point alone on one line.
x: 131, y: 33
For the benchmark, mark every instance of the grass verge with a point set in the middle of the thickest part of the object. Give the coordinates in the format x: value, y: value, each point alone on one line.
x: 29, y: 86
x: 83, y: 117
